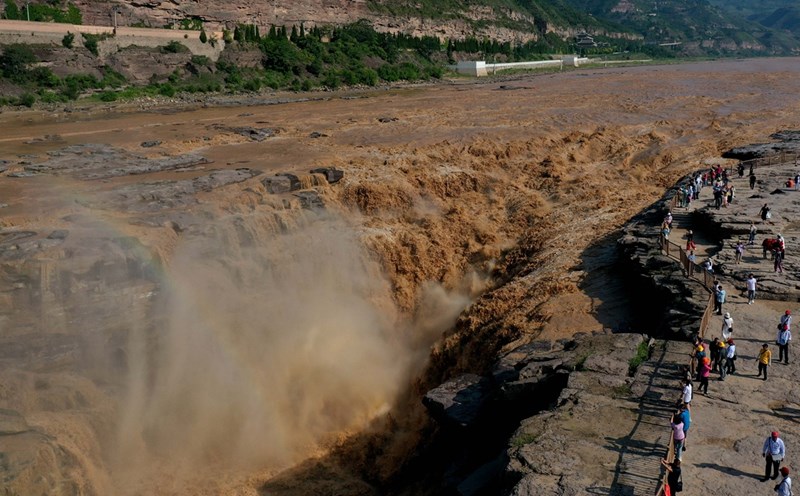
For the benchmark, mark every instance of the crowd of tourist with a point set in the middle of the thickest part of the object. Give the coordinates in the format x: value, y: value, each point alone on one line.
x: 719, y: 355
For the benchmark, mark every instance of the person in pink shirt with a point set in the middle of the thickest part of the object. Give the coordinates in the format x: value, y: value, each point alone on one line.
x: 677, y: 435
x: 704, y: 371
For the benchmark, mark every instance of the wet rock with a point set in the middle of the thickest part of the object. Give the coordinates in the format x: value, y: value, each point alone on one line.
x: 150, y: 144
x: 99, y: 161
x: 332, y: 174
x: 58, y: 234
x: 310, y: 200
x: 458, y: 401
x: 255, y: 134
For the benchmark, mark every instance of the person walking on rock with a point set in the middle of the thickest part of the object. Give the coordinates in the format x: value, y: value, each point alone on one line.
x: 677, y: 436
x: 778, y: 265
x: 765, y: 213
x: 764, y: 360
x: 774, y: 451
x: 727, y: 326
x: 751, y: 289
x: 739, y: 249
x: 752, y: 180
x: 719, y: 299
x: 784, y: 336
x: 751, y: 240
x: 784, y: 488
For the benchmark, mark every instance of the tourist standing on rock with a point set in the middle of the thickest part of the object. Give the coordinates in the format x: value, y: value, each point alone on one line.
x: 722, y: 352
x: 730, y: 360
x: 719, y: 299
x: 677, y: 435
x: 668, y: 219
x: 704, y: 372
x: 786, y: 320
x: 665, y: 230
x: 752, y: 180
x: 752, y: 239
x: 674, y: 479
x: 764, y: 360
x: 785, y: 486
x: 774, y: 451
x: 784, y: 337
x: 686, y: 417
x: 727, y: 326
x: 797, y: 181
x: 714, y: 352
x: 739, y: 252
x: 751, y: 289
x: 740, y: 169
x: 686, y: 395
x: 778, y: 264
x: 765, y: 213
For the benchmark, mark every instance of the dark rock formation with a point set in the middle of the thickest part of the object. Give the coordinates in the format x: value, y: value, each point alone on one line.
x: 332, y: 174
x: 790, y: 142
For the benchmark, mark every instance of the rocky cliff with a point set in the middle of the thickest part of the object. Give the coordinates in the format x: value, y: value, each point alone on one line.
x: 478, y: 21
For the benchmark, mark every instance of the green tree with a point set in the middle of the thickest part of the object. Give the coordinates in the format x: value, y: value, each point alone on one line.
x: 203, y: 37
x: 15, y: 60
x: 12, y: 11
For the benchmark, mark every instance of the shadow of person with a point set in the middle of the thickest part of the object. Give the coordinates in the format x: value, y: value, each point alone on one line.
x: 729, y: 470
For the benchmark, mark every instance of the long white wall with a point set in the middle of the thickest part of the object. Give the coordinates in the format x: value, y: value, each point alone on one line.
x: 52, y: 33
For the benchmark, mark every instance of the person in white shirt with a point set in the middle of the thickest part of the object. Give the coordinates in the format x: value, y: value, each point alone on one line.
x: 773, y: 451
x: 784, y: 336
x: 730, y: 361
x: 727, y: 326
x: 686, y: 396
x: 751, y: 289
x: 785, y: 486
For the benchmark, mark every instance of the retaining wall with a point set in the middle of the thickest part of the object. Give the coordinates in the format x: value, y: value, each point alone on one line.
x: 45, y: 33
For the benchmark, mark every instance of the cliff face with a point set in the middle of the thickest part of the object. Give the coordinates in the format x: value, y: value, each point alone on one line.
x: 216, y: 15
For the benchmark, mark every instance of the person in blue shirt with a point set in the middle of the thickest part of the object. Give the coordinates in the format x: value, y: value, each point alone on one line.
x: 686, y: 417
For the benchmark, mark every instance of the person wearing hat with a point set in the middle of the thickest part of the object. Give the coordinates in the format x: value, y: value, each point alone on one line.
x: 704, y: 370
x: 727, y: 326
x: 730, y: 360
x: 764, y: 360
x: 786, y: 320
x: 774, y: 451
x: 785, y: 486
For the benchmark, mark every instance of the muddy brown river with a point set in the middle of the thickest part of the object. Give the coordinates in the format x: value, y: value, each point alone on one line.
x: 172, y: 324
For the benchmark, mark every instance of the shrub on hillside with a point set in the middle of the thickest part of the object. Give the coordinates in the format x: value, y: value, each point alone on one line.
x: 68, y: 40
x: 174, y: 47
x: 27, y: 99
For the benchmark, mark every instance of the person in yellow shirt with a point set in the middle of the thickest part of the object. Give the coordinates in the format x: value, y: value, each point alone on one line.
x: 764, y: 359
